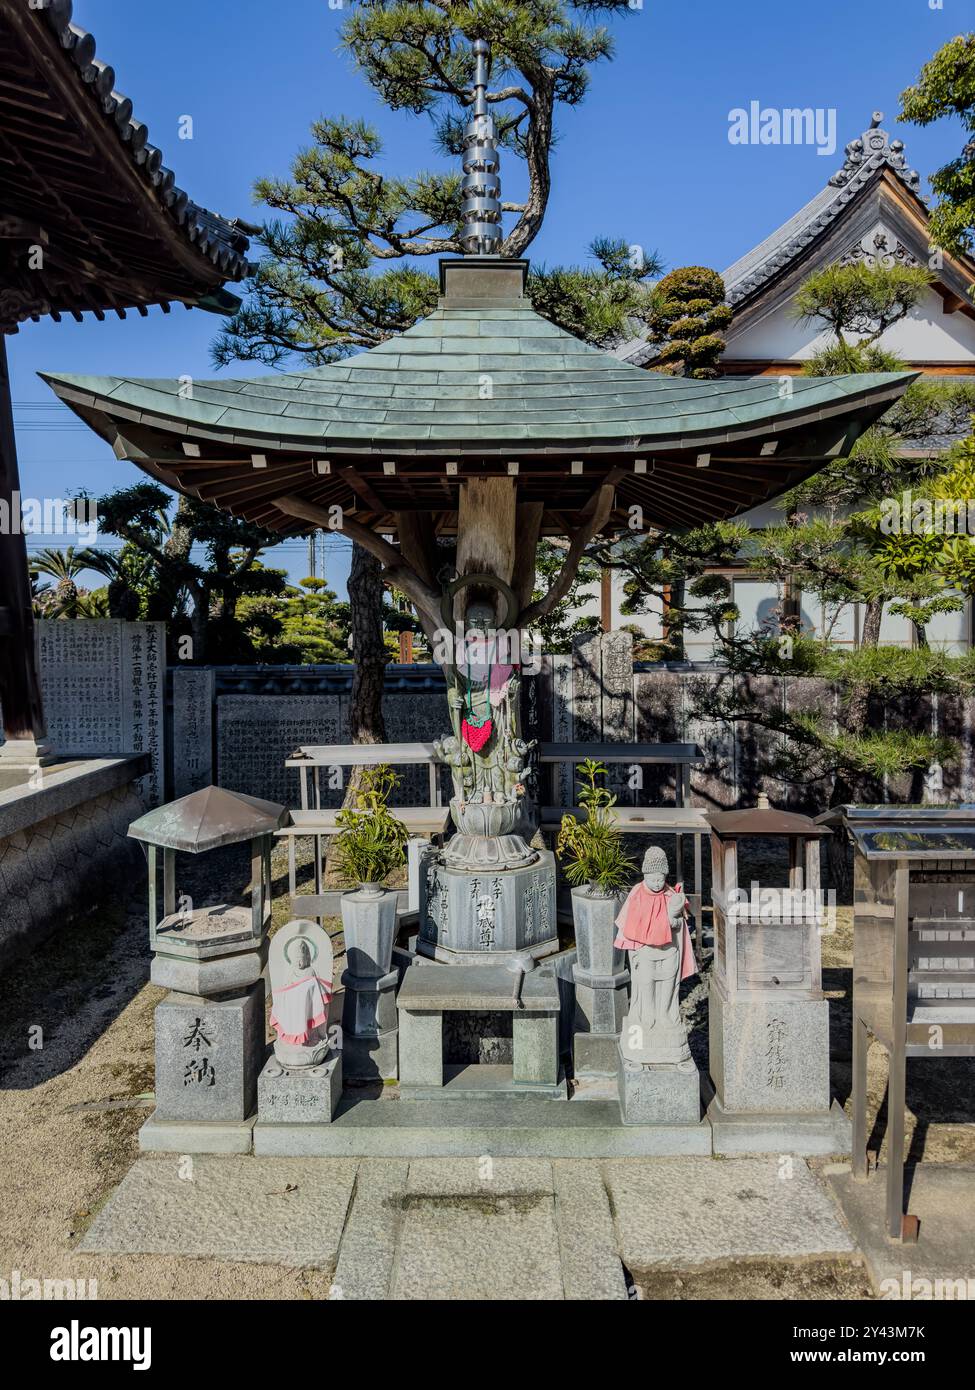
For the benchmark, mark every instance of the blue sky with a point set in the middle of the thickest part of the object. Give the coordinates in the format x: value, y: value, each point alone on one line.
x: 646, y: 156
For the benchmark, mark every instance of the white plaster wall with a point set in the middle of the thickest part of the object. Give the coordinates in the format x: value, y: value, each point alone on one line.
x: 927, y: 334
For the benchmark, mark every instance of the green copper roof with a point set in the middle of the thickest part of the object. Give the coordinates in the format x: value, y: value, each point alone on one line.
x: 497, y: 376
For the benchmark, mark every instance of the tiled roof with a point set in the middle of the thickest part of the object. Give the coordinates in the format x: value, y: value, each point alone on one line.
x: 425, y: 389
x: 220, y: 241
x: 866, y: 158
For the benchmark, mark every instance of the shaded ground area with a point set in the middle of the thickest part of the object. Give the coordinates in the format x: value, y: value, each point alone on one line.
x: 76, y: 1081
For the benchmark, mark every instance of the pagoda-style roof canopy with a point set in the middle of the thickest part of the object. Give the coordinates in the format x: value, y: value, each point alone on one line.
x: 483, y: 387
x: 207, y: 819
x: 80, y: 181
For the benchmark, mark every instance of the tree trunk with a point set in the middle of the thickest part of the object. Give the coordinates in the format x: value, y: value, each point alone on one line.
x: 369, y: 656
x: 873, y: 612
x: 675, y: 636
x: 369, y: 659
x: 848, y: 786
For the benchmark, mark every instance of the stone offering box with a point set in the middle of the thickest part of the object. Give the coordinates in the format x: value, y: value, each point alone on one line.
x: 207, y: 949
x: 913, y: 959
x: 767, y: 946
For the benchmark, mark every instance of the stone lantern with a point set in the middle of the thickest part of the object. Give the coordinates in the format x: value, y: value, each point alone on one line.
x: 768, y: 1017
x: 210, y: 1030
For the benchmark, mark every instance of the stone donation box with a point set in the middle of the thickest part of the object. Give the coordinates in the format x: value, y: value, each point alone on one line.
x: 768, y: 1017
x: 210, y: 1042
x: 913, y: 959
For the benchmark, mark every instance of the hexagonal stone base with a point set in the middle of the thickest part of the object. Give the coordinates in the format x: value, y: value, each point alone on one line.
x: 217, y: 975
x: 478, y: 918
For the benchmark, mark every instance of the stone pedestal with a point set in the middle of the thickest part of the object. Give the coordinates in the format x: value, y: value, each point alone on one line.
x: 600, y: 977
x: 27, y: 753
x: 769, y: 1055
x: 665, y: 1094
x: 208, y: 1056
x: 370, y: 1027
x: 479, y: 917
x: 294, y: 1103
x: 770, y: 1068
x: 601, y: 1003
x: 370, y: 1039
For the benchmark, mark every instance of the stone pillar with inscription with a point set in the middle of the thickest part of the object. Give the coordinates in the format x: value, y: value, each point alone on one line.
x: 768, y: 1017
x: 194, y: 690
x: 104, y: 691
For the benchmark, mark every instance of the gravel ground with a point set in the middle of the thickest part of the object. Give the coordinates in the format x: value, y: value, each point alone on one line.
x: 76, y: 1038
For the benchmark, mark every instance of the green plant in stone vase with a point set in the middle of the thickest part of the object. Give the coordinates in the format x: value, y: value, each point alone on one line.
x: 371, y: 842
x: 591, y: 850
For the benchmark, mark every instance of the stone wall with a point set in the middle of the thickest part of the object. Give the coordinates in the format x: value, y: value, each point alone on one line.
x: 104, y: 687
x: 244, y: 722
x: 63, y: 847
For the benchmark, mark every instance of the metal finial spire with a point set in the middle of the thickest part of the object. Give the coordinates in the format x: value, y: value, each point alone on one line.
x: 482, y: 187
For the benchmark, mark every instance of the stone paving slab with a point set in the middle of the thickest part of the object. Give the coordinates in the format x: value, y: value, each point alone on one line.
x: 479, y: 1246
x: 484, y: 1228
x: 942, y: 1196
x: 690, y: 1212
x: 591, y: 1267
x: 228, y: 1208
x: 467, y: 1176
x: 368, y: 1250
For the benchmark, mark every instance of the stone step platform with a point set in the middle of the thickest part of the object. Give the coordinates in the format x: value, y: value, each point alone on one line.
x: 483, y: 1081
x: 500, y: 1126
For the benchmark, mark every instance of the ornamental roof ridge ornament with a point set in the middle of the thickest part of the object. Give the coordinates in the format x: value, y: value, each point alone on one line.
x: 482, y: 232
x: 871, y: 150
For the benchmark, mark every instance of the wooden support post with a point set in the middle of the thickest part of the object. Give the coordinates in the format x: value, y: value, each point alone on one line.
x: 861, y: 1047
x: 20, y: 687
x: 897, y: 1076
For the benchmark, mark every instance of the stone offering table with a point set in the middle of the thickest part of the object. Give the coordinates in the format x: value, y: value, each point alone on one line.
x: 428, y: 992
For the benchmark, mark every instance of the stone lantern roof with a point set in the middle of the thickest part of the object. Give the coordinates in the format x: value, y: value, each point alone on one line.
x: 208, y: 819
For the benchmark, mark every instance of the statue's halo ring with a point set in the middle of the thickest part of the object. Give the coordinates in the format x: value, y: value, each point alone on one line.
x: 490, y: 581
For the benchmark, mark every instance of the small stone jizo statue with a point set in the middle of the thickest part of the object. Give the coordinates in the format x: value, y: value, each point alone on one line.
x: 652, y: 927
x: 300, y: 966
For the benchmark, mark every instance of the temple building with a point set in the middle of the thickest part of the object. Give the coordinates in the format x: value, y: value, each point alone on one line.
x: 870, y: 210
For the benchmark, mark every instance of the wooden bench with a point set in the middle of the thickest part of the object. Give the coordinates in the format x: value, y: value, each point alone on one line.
x: 425, y: 823
x: 681, y: 756
x: 660, y: 820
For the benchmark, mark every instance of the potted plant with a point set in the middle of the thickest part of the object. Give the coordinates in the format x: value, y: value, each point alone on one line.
x: 370, y: 845
x: 594, y: 861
